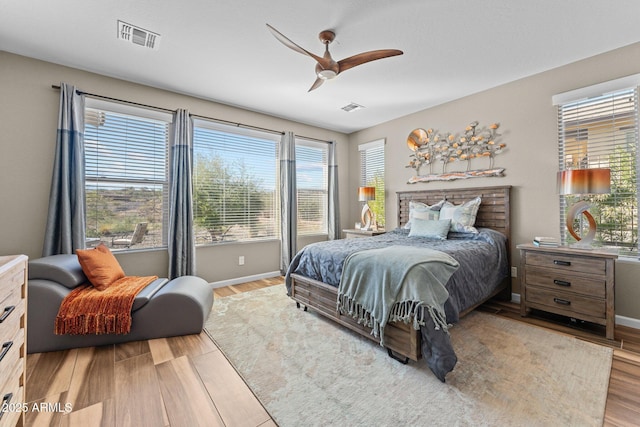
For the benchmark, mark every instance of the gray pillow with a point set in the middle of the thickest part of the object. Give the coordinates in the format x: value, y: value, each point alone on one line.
x: 423, y: 211
x: 462, y: 216
x: 433, y: 229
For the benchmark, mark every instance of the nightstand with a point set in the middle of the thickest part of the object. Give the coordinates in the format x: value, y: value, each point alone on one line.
x: 354, y: 233
x: 577, y: 283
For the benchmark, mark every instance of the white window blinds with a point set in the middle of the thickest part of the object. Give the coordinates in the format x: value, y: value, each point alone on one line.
x: 601, y: 131
x: 312, y: 181
x: 234, y: 183
x: 126, y: 173
x: 372, y: 175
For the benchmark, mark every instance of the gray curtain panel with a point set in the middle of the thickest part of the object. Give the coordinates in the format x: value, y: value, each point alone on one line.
x: 182, y: 249
x: 288, y: 200
x: 65, y: 230
x: 334, y: 202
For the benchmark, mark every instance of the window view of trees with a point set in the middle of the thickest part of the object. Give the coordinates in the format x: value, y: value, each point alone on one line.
x: 229, y: 202
x: 618, y: 211
x: 234, y: 184
x: 114, y: 214
x: 312, y: 183
x: 312, y: 208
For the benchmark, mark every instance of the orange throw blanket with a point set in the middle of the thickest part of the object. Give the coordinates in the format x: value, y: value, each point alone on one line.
x: 87, y: 310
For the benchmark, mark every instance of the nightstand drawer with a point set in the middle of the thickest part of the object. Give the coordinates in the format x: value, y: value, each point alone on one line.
x: 566, y: 303
x: 11, y: 360
x: 565, y: 281
x: 578, y: 264
x: 11, y: 323
x: 12, y: 279
x: 11, y: 392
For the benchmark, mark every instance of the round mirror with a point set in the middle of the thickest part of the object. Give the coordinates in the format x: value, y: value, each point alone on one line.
x: 417, y: 138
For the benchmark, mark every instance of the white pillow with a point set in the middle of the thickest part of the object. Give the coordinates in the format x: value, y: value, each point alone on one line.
x: 434, y: 229
x: 463, y: 216
x: 423, y: 211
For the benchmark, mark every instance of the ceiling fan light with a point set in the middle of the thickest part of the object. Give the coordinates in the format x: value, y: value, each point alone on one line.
x: 327, y: 74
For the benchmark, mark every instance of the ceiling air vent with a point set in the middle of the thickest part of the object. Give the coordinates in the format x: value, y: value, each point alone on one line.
x: 352, y: 107
x: 136, y: 35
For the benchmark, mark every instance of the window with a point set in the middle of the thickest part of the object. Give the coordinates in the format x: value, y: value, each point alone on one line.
x: 600, y: 130
x: 312, y: 181
x: 126, y: 174
x: 234, y: 183
x: 372, y: 175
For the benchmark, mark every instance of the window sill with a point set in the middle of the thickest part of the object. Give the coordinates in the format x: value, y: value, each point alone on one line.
x: 138, y: 250
x: 236, y: 242
x: 628, y: 259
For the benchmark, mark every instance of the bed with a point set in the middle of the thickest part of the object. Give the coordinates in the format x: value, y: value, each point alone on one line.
x: 315, y: 287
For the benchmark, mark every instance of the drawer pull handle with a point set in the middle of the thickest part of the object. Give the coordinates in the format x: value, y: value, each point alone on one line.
x: 5, y: 402
x: 561, y: 301
x: 563, y: 263
x: 5, y: 349
x: 561, y: 283
x: 7, y: 311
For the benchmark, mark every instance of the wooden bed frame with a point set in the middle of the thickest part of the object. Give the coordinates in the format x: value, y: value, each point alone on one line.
x: 401, y: 338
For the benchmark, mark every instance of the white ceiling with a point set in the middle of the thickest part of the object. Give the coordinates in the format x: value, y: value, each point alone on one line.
x: 222, y: 50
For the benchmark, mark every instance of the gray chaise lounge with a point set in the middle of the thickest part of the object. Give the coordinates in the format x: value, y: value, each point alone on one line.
x: 162, y: 309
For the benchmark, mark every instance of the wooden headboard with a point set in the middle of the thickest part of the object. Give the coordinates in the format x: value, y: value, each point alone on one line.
x: 494, y: 211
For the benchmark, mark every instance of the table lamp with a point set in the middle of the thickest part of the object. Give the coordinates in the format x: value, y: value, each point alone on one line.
x: 364, y: 195
x: 581, y: 182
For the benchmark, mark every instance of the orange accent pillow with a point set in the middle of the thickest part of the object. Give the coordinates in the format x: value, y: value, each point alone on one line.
x: 100, y: 266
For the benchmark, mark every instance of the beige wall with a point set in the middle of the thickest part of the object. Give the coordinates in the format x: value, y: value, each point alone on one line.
x: 28, y: 117
x: 528, y: 125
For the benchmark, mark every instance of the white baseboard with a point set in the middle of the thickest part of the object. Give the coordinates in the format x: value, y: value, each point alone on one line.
x: 620, y: 320
x: 238, y: 280
x: 628, y: 321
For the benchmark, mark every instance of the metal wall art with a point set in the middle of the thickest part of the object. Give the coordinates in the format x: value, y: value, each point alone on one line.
x: 430, y: 147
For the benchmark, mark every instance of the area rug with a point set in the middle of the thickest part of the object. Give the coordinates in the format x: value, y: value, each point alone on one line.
x: 307, y: 370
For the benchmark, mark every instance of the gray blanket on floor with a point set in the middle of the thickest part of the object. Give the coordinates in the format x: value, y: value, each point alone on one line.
x: 396, y: 283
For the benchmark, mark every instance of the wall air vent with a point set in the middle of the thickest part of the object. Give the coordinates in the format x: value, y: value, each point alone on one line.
x: 136, y: 35
x: 351, y: 107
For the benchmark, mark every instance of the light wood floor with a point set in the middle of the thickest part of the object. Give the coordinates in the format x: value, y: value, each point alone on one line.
x: 186, y: 381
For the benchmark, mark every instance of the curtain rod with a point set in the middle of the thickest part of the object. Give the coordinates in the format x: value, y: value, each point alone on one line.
x: 79, y: 92
x: 122, y: 101
x: 227, y: 122
x: 314, y: 139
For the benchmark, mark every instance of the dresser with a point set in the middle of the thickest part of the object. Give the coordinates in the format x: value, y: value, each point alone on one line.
x: 13, y: 323
x: 354, y: 233
x: 571, y: 282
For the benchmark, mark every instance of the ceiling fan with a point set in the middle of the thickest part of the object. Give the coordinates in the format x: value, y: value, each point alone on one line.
x: 326, y: 67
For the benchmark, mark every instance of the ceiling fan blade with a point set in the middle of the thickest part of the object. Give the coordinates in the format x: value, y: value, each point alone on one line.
x: 365, y: 57
x: 291, y: 45
x: 316, y: 84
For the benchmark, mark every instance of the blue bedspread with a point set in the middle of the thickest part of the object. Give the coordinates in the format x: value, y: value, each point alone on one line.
x: 482, y: 258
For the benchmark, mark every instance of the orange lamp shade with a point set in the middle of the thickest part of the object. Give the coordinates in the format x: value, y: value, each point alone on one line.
x: 584, y: 181
x: 366, y: 193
